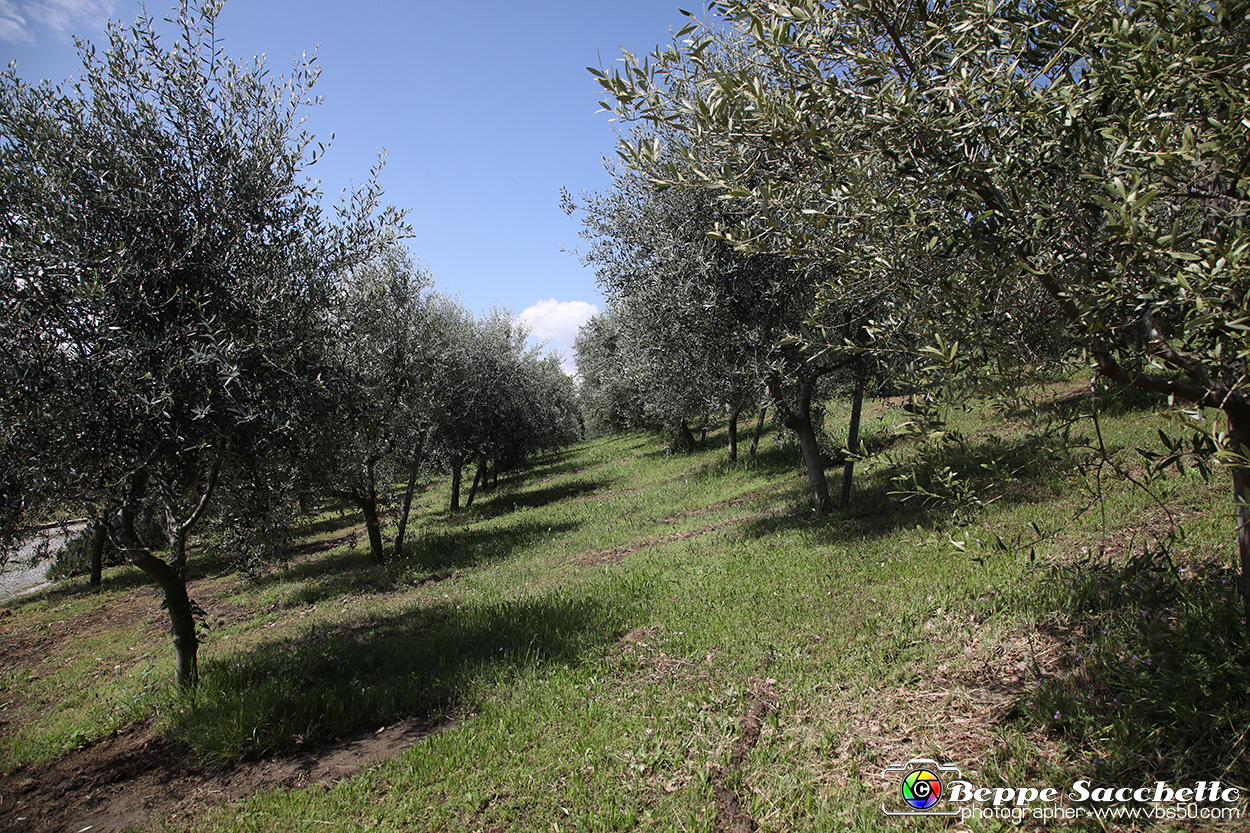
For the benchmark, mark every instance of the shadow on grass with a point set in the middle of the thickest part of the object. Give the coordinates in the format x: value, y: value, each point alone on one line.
x: 770, y: 459
x: 503, y: 502
x: 1158, y: 692
x: 552, y: 464
x: 873, y: 511
x: 334, y: 521
x: 1112, y: 403
x: 427, y: 556
x: 439, y: 552
x: 941, y: 486
x: 428, y: 663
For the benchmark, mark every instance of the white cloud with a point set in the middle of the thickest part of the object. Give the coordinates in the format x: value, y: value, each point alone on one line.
x: 22, y: 21
x: 558, y: 320
x: 12, y: 24
x: 557, y: 323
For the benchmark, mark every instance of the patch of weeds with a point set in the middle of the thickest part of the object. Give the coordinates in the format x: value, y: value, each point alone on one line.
x: 74, y: 559
x: 944, y: 469
x: 1159, y: 692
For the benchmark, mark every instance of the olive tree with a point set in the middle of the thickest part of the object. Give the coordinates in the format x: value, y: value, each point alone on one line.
x: 1087, y: 154
x: 609, y: 397
x: 495, y: 401
x: 382, y: 351
x: 700, y: 321
x: 661, y: 275
x: 164, y: 272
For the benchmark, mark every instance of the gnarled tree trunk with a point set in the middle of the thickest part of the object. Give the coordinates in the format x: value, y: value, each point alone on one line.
x: 171, y: 582
x: 799, y: 420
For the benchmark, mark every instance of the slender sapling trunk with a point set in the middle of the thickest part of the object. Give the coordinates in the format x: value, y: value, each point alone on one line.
x: 99, y: 534
x: 759, y: 429
x: 852, y: 437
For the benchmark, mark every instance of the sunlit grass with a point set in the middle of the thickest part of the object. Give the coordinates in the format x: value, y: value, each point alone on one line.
x: 592, y: 633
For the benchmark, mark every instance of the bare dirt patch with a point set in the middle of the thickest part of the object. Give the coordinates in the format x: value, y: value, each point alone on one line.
x: 731, y: 815
x: 138, y: 777
x: 642, y: 648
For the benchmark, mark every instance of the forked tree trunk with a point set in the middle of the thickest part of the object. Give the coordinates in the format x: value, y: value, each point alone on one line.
x: 477, y: 480
x: 178, y: 529
x: 685, y: 437
x: 174, y: 586
x: 799, y: 420
x: 367, y: 503
x: 413, y: 471
x: 852, y: 437
x: 366, y: 500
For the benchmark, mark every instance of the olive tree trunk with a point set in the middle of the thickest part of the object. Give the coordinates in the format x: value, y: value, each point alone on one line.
x: 852, y: 438
x: 365, y: 497
x: 759, y: 429
x: 1239, y: 439
x: 799, y: 420
x: 171, y: 582
x: 457, y: 472
x: 413, y: 470
x: 99, y: 535
x: 477, y: 480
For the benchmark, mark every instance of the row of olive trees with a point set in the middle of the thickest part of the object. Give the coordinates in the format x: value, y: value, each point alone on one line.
x: 187, y: 334
x: 695, y: 324
x: 1079, y: 161
x: 419, y: 383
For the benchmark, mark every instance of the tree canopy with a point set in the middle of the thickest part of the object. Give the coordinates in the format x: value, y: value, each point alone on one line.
x: 1085, y: 158
x: 165, y: 268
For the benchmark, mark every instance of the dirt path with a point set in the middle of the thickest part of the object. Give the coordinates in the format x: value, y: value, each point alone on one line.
x: 27, y: 569
x: 138, y: 778
x: 732, y: 816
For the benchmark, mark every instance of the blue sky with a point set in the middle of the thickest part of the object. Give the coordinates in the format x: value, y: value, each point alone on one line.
x: 485, y: 111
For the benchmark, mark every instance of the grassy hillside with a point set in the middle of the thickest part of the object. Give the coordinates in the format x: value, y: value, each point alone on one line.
x: 622, y: 638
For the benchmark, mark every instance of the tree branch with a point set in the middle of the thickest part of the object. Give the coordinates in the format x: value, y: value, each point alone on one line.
x: 1190, y: 364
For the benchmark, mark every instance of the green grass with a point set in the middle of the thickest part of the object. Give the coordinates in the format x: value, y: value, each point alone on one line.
x: 592, y: 635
